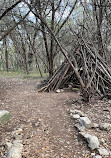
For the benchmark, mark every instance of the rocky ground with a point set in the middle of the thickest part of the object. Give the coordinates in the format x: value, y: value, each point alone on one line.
x: 47, y: 129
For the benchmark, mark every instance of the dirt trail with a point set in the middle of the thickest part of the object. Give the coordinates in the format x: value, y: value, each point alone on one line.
x: 47, y: 128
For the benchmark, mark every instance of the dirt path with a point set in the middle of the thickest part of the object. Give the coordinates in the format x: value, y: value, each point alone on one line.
x: 47, y: 128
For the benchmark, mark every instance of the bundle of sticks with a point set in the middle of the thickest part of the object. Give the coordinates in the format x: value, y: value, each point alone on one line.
x: 92, y: 73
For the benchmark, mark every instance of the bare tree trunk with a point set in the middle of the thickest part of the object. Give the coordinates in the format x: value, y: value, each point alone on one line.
x: 100, y: 42
x: 24, y: 57
x: 6, y: 55
x: 51, y: 60
x: 37, y: 65
x: 99, y: 18
x: 25, y: 60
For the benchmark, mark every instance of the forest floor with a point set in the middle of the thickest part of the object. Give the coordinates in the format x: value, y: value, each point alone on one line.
x: 48, y: 130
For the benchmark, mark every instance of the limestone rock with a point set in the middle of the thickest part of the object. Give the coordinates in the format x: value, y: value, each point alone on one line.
x: 16, y: 150
x: 108, y: 116
x: 71, y: 111
x: 8, y: 145
x: 93, y: 154
x: 78, y: 112
x: 37, y: 124
x: 58, y: 91
x: 103, y: 152
x: 17, y: 143
x: 84, y: 121
x: 75, y: 116
x: 97, y: 156
x: 4, y: 116
x: 93, y: 141
x: 105, y: 126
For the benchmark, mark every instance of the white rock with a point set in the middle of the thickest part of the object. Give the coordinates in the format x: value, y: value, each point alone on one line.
x: 109, y: 101
x: 58, y: 91
x: 76, y: 116
x: 37, y: 124
x: 108, y: 116
x: 16, y: 150
x: 78, y: 112
x: 71, y: 111
x: 103, y: 152
x: 93, y: 141
x: 8, y: 145
x: 97, y: 156
x: 84, y: 121
x: 92, y: 154
x: 17, y: 143
x: 105, y: 126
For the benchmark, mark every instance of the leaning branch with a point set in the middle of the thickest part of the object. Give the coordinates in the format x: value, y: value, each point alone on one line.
x: 10, y: 8
x: 11, y: 29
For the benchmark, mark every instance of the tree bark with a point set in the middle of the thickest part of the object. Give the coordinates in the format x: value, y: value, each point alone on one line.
x: 6, y: 55
x: 51, y: 60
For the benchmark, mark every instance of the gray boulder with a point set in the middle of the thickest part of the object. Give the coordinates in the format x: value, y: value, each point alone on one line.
x: 93, y: 141
x: 16, y: 150
x: 103, y: 152
x: 75, y: 116
x: 84, y: 121
x: 8, y: 145
x: 4, y: 117
x: 97, y: 156
x: 105, y: 126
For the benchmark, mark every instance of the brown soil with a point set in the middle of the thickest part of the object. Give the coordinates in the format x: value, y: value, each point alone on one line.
x: 48, y: 130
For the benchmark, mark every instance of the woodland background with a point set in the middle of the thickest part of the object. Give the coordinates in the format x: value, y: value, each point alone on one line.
x: 26, y: 43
